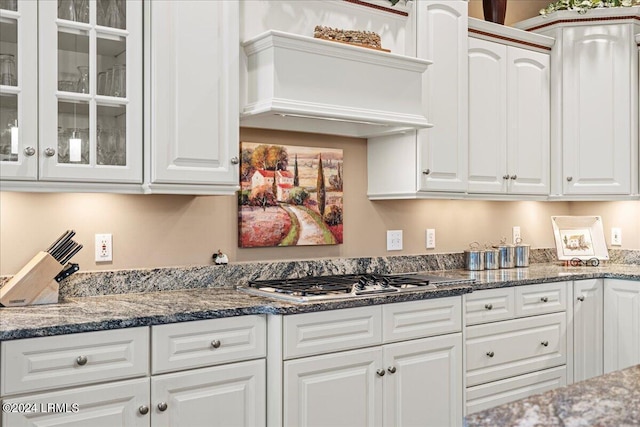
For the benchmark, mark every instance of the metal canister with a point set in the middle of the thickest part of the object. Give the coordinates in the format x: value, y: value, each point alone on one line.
x: 474, y: 257
x: 505, y: 256
x: 521, y: 254
x: 491, y: 259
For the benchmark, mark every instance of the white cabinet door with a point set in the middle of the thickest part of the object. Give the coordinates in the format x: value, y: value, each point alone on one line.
x: 124, y: 403
x: 225, y: 396
x: 598, y: 108
x: 528, y: 114
x: 487, y: 117
x: 442, y: 150
x: 588, y: 335
x: 87, y: 133
x: 19, y: 98
x: 192, y: 120
x: 423, y: 383
x: 339, y: 389
x: 621, y: 324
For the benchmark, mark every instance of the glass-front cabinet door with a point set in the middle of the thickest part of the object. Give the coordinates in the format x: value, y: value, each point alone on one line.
x: 90, y: 95
x: 18, y: 89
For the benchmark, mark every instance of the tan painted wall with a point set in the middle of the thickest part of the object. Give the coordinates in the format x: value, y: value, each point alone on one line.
x: 517, y: 10
x: 158, y: 230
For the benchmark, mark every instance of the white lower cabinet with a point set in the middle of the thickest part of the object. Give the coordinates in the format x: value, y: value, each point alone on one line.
x: 621, y: 324
x: 122, y: 403
x: 416, y: 381
x: 515, y: 344
x: 588, y: 335
x: 226, y: 395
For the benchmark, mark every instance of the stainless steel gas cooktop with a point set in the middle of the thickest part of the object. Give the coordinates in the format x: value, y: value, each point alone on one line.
x: 323, y: 288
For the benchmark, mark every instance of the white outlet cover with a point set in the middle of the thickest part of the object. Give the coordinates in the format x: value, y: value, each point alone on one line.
x: 104, y: 248
x: 394, y: 240
x: 430, y: 238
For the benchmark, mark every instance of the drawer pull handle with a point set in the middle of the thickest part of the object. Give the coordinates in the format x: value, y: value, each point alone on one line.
x: 391, y: 369
x: 81, y: 360
x: 144, y: 410
x: 545, y: 343
x: 380, y: 372
x: 581, y: 298
x: 162, y: 406
x: 215, y: 343
x: 490, y: 353
x: 544, y: 299
x: 488, y: 306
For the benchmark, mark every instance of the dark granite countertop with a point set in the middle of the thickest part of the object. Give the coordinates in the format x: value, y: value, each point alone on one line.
x: 84, y: 314
x: 612, y: 400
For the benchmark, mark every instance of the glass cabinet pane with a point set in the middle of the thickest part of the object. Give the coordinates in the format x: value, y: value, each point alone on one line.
x: 9, y: 128
x: 11, y: 5
x: 73, y: 132
x: 112, y: 13
x: 111, y: 136
x: 8, y: 52
x: 111, y: 64
x: 73, y: 62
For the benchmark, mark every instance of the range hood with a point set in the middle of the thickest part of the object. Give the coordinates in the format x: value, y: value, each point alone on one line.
x: 306, y: 84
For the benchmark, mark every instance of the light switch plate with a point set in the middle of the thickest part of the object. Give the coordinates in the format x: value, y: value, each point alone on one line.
x: 616, y: 236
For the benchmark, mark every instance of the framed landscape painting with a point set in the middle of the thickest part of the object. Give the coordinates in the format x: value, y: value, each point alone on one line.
x: 579, y: 237
x: 289, y: 196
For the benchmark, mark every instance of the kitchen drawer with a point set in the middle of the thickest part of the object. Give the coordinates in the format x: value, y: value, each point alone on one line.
x: 201, y: 343
x: 513, y: 347
x: 496, y: 393
x: 329, y: 331
x: 489, y: 305
x: 47, y: 363
x: 419, y: 319
x: 541, y: 299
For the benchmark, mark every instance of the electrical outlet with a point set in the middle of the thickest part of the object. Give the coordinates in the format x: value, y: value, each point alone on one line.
x: 104, y: 248
x: 516, y: 234
x: 616, y: 236
x: 394, y: 240
x: 430, y: 237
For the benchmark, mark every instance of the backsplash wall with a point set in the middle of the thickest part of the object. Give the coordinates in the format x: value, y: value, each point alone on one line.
x: 167, y: 231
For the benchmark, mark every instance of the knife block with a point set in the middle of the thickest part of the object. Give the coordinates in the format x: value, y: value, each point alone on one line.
x: 34, y: 283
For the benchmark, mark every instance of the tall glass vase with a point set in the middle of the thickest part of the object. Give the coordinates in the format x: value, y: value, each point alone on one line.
x: 494, y: 10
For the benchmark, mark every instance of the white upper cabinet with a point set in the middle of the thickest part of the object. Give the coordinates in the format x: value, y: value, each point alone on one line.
x: 509, y: 118
x: 594, y: 102
x: 430, y: 162
x: 191, y: 138
x: 87, y: 57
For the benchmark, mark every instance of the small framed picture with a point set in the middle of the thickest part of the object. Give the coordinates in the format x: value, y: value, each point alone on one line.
x: 580, y: 237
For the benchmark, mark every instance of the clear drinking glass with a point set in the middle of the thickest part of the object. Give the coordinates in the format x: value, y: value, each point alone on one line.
x: 102, y: 83
x: 108, y: 84
x: 119, y: 83
x: 114, y: 15
x: 7, y: 70
x: 9, y: 5
x: 83, y: 79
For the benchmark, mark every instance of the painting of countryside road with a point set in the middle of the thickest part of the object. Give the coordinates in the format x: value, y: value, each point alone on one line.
x: 289, y: 196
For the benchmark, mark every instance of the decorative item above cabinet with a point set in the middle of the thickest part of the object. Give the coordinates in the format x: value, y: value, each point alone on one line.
x: 301, y: 83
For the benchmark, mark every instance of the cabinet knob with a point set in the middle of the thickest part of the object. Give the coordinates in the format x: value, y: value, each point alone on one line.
x: 49, y: 152
x: 514, y: 177
x: 29, y: 151
x: 162, y: 406
x: 380, y: 372
x: 426, y: 171
x: 545, y: 343
x: 215, y: 343
x: 490, y: 353
x: 569, y: 178
x: 144, y: 409
x: 81, y: 360
x: 581, y: 298
x: 505, y: 176
x: 391, y: 369
x: 488, y: 306
x: 544, y: 299
x: 235, y: 161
